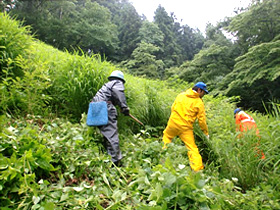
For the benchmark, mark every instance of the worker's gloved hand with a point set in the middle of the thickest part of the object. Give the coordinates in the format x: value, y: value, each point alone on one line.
x: 125, y: 111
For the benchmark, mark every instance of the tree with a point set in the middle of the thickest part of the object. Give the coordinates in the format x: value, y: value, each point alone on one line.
x: 257, y: 25
x: 150, y: 33
x: 191, y: 42
x: 215, y: 35
x: 94, y: 30
x: 209, y: 65
x: 212, y: 63
x: 256, y: 76
x: 70, y: 24
x: 144, y: 62
x: 49, y: 21
x: 171, y: 49
x: 129, y: 23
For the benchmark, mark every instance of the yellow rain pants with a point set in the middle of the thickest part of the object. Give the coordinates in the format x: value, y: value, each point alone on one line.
x: 186, y: 135
x: 187, y: 107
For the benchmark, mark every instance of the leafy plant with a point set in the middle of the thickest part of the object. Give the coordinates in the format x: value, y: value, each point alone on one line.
x: 24, y: 160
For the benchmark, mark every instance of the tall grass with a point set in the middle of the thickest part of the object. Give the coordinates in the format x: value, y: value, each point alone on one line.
x: 235, y: 157
x: 241, y: 160
x: 19, y: 88
x: 150, y: 101
x: 270, y: 138
x: 35, y: 76
x: 75, y: 82
x: 64, y: 83
x: 15, y: 39
x: 27, y: 94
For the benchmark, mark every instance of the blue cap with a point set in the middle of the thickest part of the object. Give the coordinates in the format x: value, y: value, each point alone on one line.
x: 202, y: 86
x: 236, y: 111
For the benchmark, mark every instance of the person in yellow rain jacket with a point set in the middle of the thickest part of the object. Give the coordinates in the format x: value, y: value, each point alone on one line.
x: 244, y: 122
x: 187, y: 107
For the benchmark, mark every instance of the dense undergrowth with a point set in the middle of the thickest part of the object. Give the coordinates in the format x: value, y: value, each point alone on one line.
x: 55, y: 164
x: 50, y: 159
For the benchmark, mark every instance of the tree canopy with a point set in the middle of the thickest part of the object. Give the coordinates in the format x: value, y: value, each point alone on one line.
x: 257, y: 25
x: 256, y: 75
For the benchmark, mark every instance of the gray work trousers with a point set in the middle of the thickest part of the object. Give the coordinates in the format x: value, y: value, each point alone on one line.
x: 111, y: 136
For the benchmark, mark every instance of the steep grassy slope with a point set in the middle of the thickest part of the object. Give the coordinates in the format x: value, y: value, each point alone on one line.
x: 51, y: 160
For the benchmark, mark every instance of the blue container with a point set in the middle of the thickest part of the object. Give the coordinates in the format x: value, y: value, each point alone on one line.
x: 97, y: 114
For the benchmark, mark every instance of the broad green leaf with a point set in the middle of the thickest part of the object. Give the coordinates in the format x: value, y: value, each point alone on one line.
x: 36, y: 199
x: 49, y: 206
x: 64, y: 197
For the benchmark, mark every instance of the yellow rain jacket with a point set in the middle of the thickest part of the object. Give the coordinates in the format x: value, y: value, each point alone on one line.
x: 187, y: 107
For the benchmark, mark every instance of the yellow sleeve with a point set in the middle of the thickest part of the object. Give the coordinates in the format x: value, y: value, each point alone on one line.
x: 202, y: 118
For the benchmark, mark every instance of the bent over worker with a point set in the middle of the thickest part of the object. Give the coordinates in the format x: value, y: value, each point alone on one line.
x: 113, y: 93
x: 187, y: 107
x: 244, y: 122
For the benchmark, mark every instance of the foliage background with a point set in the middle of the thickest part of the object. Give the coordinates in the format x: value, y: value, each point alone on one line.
x: 51, y: 160
x: 165, y: 48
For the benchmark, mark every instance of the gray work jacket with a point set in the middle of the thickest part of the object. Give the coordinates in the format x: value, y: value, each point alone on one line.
x: 112, y: 92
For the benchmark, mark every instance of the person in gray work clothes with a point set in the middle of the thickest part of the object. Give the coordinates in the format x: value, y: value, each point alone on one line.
x: 113, y: 93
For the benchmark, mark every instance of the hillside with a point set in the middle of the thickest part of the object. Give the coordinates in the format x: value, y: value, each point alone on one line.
x: 50, y: 159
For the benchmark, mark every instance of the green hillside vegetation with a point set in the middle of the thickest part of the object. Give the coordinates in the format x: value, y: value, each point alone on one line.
x: 245, y: 65
x: 50, y: 159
